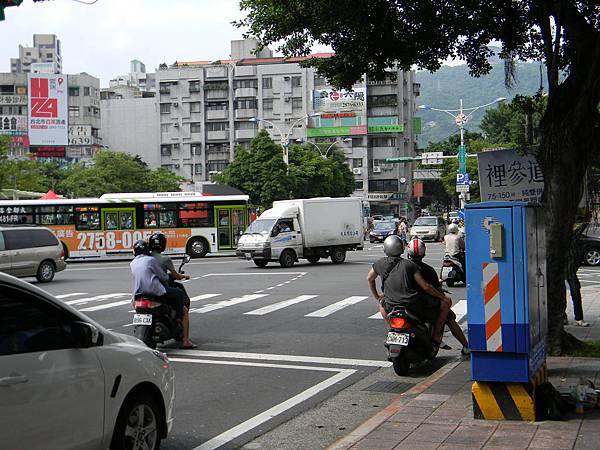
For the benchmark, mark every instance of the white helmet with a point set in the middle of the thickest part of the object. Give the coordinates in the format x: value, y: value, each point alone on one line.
x: 416, y: 249
x: 393, y: 246
x: 453, y: 228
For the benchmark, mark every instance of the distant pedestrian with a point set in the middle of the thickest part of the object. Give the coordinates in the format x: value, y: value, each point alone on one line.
x: 573, y: 263
x: 402, y: 230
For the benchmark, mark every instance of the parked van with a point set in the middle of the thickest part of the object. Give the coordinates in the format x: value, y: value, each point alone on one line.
x: 31, y: 252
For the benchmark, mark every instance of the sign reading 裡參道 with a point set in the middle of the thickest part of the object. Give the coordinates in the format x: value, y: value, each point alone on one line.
x: 339, y: 100
x: 48, y: 109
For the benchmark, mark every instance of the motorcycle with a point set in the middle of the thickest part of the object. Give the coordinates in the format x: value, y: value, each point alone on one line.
x: 452, y: 271
x: 409, y: 340
x: 154, y: 321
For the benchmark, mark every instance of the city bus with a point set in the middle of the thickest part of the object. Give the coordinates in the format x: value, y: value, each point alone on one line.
x: 107, y: 227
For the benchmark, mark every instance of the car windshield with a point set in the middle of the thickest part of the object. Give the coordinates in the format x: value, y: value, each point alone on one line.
x: 384, y: 226
x: 426, y: 221
x: 260, y: 226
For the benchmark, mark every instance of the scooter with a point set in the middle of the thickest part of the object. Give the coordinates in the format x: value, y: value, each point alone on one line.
x: 154, y: 321
x: 452, y: 271
x: 409, y: 340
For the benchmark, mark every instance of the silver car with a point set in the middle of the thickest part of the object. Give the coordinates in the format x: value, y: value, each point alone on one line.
x: 429, y: 228
x: 68, y: 383
x: 31, y: 252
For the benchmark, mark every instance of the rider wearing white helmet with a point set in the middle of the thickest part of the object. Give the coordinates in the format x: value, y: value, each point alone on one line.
x: 403, y: 284
x: 455, y: 243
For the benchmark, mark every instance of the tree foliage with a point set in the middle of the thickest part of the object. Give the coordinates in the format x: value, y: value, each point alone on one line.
x: 261, y: 173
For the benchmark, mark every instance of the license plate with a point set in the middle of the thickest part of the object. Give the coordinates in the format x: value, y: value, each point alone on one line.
x: 446, y: 271
x: 397, y: 338
x: 142, y: 319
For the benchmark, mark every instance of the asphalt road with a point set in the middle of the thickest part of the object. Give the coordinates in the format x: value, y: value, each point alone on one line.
x: 274, y: 345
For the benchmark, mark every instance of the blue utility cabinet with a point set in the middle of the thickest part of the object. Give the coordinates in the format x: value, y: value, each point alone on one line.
x: 506, y: 290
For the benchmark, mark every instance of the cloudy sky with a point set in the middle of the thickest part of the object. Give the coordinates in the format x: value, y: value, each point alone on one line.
x: 102, y: 38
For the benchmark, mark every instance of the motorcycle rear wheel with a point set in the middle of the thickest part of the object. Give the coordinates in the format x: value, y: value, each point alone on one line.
x: 401, y: 366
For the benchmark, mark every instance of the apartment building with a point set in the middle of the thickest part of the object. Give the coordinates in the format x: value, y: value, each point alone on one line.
x: 45, y: 49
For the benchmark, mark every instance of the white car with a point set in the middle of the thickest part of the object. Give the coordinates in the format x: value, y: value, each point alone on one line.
x: 68, y: 383
x: 428, y: 228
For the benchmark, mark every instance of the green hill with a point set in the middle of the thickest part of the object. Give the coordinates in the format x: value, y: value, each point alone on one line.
x: 444, y: 89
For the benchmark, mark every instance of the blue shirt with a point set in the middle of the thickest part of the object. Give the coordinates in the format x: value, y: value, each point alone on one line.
x: 147, y: 276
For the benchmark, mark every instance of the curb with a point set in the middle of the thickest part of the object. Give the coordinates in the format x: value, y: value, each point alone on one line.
x: 382, y: 416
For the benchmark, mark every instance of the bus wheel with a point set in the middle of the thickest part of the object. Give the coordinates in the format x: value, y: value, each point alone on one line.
x: 197, y: 247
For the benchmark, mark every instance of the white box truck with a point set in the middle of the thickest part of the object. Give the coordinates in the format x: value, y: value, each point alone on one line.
x: 311, y: 228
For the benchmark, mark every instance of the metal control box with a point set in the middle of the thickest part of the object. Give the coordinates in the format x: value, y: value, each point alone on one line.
x: 506, y: 290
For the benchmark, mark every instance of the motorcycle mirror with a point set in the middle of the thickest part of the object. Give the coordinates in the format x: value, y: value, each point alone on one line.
x: 186, y: 259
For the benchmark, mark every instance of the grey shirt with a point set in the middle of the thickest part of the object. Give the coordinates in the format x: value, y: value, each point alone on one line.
x: 165, y: 262
x: 147, y: 276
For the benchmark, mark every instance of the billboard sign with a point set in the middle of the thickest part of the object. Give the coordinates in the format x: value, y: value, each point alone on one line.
x: 13, y: 125
x: 332, y: 100
x: 47, y: 152
x: 80, y: 135
x: 48, y: 109
x: 336, y: 131
x: 13, y: 99
x: 505, y: 175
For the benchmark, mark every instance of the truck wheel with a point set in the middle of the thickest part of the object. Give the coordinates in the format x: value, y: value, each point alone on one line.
x: 287, y: 258
x: 338, y: 255
x: 313, y: 259
x: 261, y: 262
x: 197, y: 247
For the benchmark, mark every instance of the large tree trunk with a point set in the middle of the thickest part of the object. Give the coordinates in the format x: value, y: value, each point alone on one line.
x: 570, y: 140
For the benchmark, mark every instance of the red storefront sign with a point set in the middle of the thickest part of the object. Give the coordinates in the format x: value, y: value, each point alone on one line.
x: 48, y: 152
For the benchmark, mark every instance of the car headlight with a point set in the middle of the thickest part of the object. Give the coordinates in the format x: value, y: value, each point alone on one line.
x: 264, y: 245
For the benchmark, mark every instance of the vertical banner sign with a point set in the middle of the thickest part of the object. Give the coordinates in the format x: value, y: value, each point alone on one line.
x: 48, y: 109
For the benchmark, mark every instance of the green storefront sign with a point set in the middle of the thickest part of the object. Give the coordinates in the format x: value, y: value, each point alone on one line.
x: 386, y: 128
x: 327, y: 131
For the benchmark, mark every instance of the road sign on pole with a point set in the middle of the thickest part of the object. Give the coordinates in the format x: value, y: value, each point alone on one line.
x: 432, y: 158
x: 462, y: 158
x: 462, y: 182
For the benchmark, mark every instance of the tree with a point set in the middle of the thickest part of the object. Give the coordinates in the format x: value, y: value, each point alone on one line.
x: 370, y: 35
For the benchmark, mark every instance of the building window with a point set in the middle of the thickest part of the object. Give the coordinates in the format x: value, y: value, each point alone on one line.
x: 73, y: 92
x: 382, y: 100
x: 195, y: 127
x: 267, y: 83
x: 359, y: 185
x: 383, y: 142
x: 165, y: 88
x: 320, y: 81
x: 246, y: 103
x: 357, y: 162
x: 217, y: 126
x: 165, y: 108
x: 194, y: 86
x: 198, y: 170
x: 73, y: 111
x: 165, y: 150
x: 252, y: 83
x: 267, y: 104
x: 168, y: 167
x: 383, y: 185
x: 296, y: 82
x: 196, y: 149
x: 216, y: 106
x: 246, y: 125
x: 195, y: 107
x: 49, y: 55
x: 217, y: 165
x: 164, y: 127
x: 296, y: 102
x: 86, y: 91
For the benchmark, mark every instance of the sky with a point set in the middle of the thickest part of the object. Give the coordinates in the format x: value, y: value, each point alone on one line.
x: 102, y: 38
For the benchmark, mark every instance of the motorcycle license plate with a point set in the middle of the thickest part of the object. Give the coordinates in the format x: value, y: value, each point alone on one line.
x: 142, y: 319
x: 446, y: 271
x: 397, y: 338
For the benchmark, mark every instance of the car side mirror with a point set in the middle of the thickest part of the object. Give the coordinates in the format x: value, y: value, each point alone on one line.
x: 85, y: 334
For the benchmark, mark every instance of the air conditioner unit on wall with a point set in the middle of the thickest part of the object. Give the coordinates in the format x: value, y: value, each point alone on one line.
x: 357, y: 171
x: 376, y: 169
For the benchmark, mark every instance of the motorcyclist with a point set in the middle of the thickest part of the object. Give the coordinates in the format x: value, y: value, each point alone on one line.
x: 158, y: 244
x: 416, y: 252
x: 403, y: 284
x: 148, y: 278
x: 455, y: 244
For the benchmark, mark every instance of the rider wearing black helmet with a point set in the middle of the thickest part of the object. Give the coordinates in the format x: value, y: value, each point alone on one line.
x: 158, y: 244
x: 403, y: 284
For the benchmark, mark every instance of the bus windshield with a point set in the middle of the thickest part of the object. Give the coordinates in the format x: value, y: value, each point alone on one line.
x: 261, y: 226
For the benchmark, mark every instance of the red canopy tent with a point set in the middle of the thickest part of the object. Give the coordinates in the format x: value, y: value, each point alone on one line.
x: 50, y: 195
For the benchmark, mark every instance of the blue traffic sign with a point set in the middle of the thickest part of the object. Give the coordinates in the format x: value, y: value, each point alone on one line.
x: 462, y: 179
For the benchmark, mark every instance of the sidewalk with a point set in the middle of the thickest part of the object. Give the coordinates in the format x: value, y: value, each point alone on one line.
x: 438, y: 413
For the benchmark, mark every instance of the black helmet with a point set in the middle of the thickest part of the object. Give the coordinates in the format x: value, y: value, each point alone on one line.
x: 141, y: 248
x: 158, y: 242
x: 393, y: 246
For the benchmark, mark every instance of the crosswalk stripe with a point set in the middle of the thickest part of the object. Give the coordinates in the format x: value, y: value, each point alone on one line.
x: 203, y: 297
x: 96, y: 298
x: 459, y: 308
x: 280, y: 305
x: 73, y: 294
x: 324, y: 312
x: 226, y: 303
x: 106, y: 306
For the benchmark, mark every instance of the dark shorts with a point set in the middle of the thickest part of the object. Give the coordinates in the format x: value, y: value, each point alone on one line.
x: 426, y: 308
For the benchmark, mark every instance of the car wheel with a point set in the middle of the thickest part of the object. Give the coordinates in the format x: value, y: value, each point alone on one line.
x: 261, y: 262
x: 137, y: 424
x: 45, y: 272
x: 287, y: 258
x: 338, y: 255
x: 592, y: 256
x: 197, y: 248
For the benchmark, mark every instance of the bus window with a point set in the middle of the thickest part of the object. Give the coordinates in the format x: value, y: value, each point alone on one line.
x: 87, y: 218
x: 110, y: 221
x: 162, y: 215
x: 168, y: 219
x: 54, y: 215
x: 196, y: 215
x: 126, y: 220
x: 16, y: 214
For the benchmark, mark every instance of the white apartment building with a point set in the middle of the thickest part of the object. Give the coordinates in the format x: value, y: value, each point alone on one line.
x: 45, y: 49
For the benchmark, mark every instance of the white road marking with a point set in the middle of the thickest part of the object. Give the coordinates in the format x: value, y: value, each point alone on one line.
x: 251, y: 274
x: 106, y: 306
x: 280, y: 305
x: 287, y: 358
x: 73, y: 294
x: 324, y: 312
x: 96, y: 298
x: 203, y: 297
x: 226, y: 303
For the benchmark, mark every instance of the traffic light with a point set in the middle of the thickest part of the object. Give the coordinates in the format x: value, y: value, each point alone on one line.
x: 6, y: 4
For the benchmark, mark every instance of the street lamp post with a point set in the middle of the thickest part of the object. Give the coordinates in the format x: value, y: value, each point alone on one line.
x: 461, y: 119
x: 300, y: 141
x: 284, y: 137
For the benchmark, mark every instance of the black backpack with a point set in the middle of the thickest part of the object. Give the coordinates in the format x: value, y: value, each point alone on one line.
x: 549, y: 404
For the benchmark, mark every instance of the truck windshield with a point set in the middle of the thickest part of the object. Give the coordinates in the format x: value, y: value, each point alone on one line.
x: 260, y: 226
